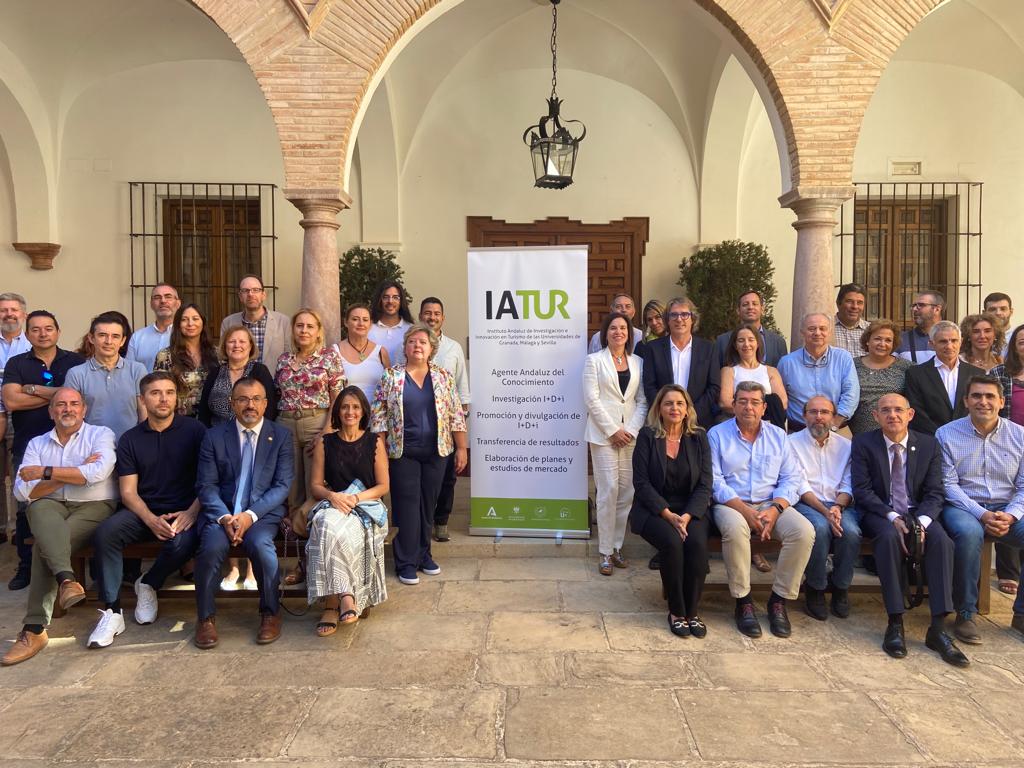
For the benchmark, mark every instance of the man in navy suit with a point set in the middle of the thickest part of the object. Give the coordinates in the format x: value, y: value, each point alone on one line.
x: 896, y: 471
x: 684, y: 359
x: 245, y: 470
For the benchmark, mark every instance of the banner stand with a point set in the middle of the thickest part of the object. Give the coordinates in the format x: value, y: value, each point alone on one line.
x: 528, y: 344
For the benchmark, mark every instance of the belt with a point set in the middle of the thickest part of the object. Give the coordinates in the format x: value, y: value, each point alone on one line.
x: 299, y: 413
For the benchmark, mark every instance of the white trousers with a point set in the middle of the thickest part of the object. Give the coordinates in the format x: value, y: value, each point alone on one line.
x: 613, y: 476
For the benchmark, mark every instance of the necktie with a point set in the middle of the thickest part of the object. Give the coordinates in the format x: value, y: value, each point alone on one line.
x: 245, y: 476
x: 898, y: 485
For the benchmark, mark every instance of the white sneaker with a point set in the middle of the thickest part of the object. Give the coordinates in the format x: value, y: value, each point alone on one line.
x: 145, y: 603
x: 249, y: 585
x: 229, y: 585
x: 110, y: 626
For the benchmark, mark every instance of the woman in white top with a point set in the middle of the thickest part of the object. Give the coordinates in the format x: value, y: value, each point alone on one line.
x: 365, y: 361
x: 616, y: 407
x: 744, y: 361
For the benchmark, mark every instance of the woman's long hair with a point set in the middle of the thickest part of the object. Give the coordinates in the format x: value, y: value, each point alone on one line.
x: 181, y: 360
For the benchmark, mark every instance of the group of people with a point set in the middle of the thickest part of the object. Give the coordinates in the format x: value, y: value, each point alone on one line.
x: 165, y: 436
x: 739, y: 438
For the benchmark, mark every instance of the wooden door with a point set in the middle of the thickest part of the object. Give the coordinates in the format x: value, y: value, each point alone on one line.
x: 613, y: 266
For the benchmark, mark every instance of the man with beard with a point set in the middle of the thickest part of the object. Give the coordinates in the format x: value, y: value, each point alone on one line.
x: 826, y: 501
x: 156, y: 467
x: 245, y: 471
x: 66, y: 478
x: 12, y: 342
x: 927, y: 311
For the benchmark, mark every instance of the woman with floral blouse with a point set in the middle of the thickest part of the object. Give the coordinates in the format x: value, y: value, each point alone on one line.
x: 308, y: 380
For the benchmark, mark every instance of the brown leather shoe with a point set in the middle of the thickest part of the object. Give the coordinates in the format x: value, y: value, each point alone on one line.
x: 70, y: 593
x: 206, y: 633
x: 25, y: 647
x: 270, y: 628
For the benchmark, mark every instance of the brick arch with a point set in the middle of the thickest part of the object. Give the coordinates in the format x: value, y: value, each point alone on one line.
x: 816, y: 64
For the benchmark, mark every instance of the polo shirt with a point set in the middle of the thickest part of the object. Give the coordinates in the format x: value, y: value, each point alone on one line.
x: 26, y: 368
x: 165, y: 462
x: 111, y: 397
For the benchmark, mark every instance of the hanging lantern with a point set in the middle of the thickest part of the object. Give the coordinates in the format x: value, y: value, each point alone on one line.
x: 553, y: 147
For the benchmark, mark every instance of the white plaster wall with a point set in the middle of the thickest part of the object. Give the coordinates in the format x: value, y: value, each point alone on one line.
x: 467, y: 159
x: 7, y: 212
x: 193, y: 121
x: 964, y: 125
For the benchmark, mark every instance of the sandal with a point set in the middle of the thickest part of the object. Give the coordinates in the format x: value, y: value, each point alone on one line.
x: 348, y: 617
x: 325, y: 628
x: 605, y: 569
x: 1008, y: 586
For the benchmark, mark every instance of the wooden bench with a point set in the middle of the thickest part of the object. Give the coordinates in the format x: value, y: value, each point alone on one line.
x: 149, y: 551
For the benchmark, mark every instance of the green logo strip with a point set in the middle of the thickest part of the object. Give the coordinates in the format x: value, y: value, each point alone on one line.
x: 543, y: 514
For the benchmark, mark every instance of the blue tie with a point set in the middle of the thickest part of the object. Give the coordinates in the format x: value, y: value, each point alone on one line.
x: 898, y: 485
x: 245, y: 479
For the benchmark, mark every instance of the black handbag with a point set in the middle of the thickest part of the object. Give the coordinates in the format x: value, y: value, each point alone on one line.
x: 912, y: 574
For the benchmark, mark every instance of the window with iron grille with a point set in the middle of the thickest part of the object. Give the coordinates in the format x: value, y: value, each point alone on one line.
x: 201, y: 238
x: 898, y: 239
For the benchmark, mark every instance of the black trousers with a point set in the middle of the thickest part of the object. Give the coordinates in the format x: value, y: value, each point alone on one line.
x: 1007, y: 563
x: 938, y: 563
x: 684, y: 564
x: 446, y: 496
x: 124, y: 527
x: 415, y: 484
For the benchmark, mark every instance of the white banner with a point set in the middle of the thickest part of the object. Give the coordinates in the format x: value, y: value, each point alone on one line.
x: 528, y: 342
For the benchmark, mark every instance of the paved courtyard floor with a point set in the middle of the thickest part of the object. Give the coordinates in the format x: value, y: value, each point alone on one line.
x: 518, y: 654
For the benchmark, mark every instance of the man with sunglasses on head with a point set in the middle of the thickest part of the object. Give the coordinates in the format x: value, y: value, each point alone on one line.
x: 30, y: 381
x: 272, y: 330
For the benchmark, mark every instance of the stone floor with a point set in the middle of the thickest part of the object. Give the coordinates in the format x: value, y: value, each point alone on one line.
x: 518, y: 654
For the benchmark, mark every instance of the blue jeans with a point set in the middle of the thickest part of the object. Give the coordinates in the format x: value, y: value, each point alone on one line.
x: 846, y: 548
x: 968, y: 537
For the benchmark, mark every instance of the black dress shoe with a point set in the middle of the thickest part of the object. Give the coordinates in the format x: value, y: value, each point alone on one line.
x: 679, y: 627
x: 778, y: 619
x: 840, y: 602
x: 655, y: 562
x: 894, y: 643
x: 943, y: 644
x: 746, y: 620
x: 20, y: 580
x: 815, y: 604
x: 698, y: 628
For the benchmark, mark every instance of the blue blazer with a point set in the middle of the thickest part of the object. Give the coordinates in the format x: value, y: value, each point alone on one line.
x: 869, y: 470
x: 220, y: 461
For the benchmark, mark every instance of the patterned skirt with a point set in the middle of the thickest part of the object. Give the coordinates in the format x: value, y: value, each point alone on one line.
x: 345, y: 558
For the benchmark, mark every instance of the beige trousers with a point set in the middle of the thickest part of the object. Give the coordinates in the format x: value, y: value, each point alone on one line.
x: 304, y: 429
x: 792, y: 529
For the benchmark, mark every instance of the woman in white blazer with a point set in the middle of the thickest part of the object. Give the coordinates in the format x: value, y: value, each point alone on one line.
x: 616, y: 407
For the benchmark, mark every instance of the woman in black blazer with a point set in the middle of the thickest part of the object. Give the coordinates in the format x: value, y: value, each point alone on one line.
x: 672, y: 492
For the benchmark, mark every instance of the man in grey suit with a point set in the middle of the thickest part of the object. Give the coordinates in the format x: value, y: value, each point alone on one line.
x: 750, y: 310
x: 272, y: 330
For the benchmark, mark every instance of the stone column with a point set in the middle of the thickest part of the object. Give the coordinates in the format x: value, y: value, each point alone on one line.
x: 320, y: 209
x: 813, y: 271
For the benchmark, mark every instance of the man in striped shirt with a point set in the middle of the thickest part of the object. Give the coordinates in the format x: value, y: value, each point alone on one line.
x: 983, y: 474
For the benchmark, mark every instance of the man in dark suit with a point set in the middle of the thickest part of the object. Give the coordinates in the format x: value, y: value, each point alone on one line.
x: 936, y: 388
x: 246, y: 468
x: 896, y: 472
x: 684, y: 359
x: 750, y: 310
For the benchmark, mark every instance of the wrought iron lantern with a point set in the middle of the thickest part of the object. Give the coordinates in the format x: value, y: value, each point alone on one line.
x: 553, y: 146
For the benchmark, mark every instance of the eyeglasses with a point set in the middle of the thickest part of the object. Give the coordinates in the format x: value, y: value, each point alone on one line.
x: 819, y: 412
x: 921, y: 305
x: 250, y: 291
x: 243, y: 400
x: 680, y: 315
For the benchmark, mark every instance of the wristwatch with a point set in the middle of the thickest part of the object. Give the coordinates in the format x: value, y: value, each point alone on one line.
x: 777, y: 506
x: 30, y: 389
x: 47, y: 473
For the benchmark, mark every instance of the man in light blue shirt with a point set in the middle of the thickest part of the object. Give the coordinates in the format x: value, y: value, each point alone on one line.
x: 12, y: 328
x: 146, y: 342
x: 109, y: 383
x: 757, y: 479
x: 983, y: 475
x: 819, y: 369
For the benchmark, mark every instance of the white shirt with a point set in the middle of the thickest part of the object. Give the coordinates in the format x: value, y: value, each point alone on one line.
x: 681, y: 359
x: 146, y: 342
x: 9, y: 349
x: 241, y: 429
x: 47, y: 451
x: 925, y: 520
x: 949, y: 377
x: 826, y: 466
x: 451, y: 357
x: 391, y: 337
x: 595, y: 340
